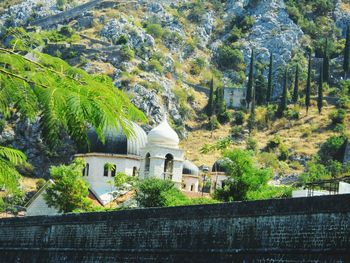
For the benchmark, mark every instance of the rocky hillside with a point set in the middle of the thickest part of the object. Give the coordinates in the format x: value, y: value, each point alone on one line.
x: 164, y: 53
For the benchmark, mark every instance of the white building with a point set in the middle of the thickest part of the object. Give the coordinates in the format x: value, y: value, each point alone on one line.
x: 154, y: 155
x: 234, y: 97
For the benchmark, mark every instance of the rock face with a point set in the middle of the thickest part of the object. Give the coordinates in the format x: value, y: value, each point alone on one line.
x: 342, y: 15
x: 26, y: 137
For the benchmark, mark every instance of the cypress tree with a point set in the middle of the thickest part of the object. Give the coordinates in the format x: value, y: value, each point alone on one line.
x: 346, y: 65
x: 326, y: 63
x: 283, y: 102
x: 210, y: 106
x: 251, y: 119
x: 250, y: 80
x: 320, y: 91
x: 269, y: 81
x: 308, y: 86
x: 296, y: 85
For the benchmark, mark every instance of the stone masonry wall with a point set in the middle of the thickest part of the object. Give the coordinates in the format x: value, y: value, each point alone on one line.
x: 313, y: 229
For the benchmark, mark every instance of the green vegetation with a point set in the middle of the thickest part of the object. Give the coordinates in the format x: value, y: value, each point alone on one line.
x: 346, y: 63
x: 295, y: 97
x: 250, y: 84
x: 308, y: 86
x: 269, y: 82
x: 155, y: 192
x: 69, y: 192
x: 230, y: 57
x: 320, y: 91
x: 246, y: 181
x: 284, y: 98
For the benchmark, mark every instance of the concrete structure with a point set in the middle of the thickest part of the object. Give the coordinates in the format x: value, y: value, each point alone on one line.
x: 218, y: 173
x: 314, y: 229
x: 190, y: 177
x: 234, y: 97
x: 161, y: 156
x: 37, y: 205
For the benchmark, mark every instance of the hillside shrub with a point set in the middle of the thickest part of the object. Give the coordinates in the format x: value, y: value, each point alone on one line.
x: 230, y: 57
x: 238, y: 117
x: 332, y: 149
x: 127, y: 53
x: 338, y: 116
x: 155, y: 30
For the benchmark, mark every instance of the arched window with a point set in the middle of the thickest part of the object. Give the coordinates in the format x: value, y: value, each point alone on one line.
x: 168, y: 166
x: 113, y: 170
x: 109, y: 169
x: 147, y: 162
x: 134, y: 171
x: 86, y: 170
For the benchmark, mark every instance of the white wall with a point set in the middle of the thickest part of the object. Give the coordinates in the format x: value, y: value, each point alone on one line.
x: 234, y: 96
x: 217, y: 179
x: 304, y: 193
x: 344, y: 188
x: 189, y: 181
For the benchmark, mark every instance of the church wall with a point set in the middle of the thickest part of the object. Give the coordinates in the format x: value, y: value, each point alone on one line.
x: 189, y: 181
x: 97, y: 163
x: 234, y: 96
x: 40, y: 207
x: 315, y: 229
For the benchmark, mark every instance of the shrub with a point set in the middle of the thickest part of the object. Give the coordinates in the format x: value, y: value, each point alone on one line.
x: 197, y: 65
x: 230, y: 57
x: 275, y: 142
x: 332, y: 149
x: 283, y: 152
x: 60, y: 4
x: 197, y: 12
x: 155, y: 30
x: 122, y: 40
x: 213, y: 123
x: 127, y: 53
x: 224, y: 117
x: 338, y: 116
x: 238, y: 117
x: 66, y: 31
x: 40, y: 183
x: 237, y: 132
x: 343, y: 102
x: 235, y: 34
x: 155, y: 65
x: 252, y: 144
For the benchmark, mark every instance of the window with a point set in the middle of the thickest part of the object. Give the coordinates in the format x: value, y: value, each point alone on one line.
x: 168, y: 166
x: 147, y: 162
x: 134, y: 171
x: 114, y: 170
x: 192, y: 187
x: 86, y: 170
x: 109, y: 169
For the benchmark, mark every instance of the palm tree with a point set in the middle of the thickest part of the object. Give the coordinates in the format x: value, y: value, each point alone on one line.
x: 63, y: 97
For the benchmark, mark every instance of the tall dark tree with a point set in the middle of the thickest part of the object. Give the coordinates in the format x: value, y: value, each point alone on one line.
x: 326, y: 63
x: 346, y: 64
x: 284, y: 99
x: 252, y: 115
x: 250, y: 80
x: 320, y: 91
x: 269, y: 81
x: 210, y: 106
x: 296, y: 85
x: 260, y: 89
x: 308, y: 86
x: 220, y: 105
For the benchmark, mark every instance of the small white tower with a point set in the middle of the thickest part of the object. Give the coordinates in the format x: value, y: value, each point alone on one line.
x: 161, y: 157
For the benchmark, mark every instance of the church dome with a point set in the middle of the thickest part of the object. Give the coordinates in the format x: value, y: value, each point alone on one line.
x: 116, y: 142
x: 163, y: 135
x: 220, y: 165
x: 190, y: 168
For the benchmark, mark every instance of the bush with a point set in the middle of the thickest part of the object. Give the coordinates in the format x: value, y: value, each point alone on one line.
x: 122, y: 40
x: 224, y: 117
x: 238, y: 117
x: 127, y: 53
x: 213, y: 123
x: 230, y: 57
x: 332, y: 149
x: 252, y: 144
x: 338, y: 116
x: 343, y: 102
x: 275, y: 142
x: 197, y: 65
x: 156, y: 66
x: 40, y: 183
x: 235, y: 34
x: 66, y: 31
x: 155, y: 30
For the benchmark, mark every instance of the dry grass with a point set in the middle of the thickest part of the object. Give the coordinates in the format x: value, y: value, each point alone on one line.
x: 345, y: 6
x: 29, y: 184
x: 303, y: 136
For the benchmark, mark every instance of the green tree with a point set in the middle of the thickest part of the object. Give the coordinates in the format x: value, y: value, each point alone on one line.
x: 284, y: 99
x: 69, y: 192
x: 250, y: 80
x: 245, y: 180
x: 153, y: 192
x: 326, y: 71
x: 260, y: 89
x: 308, y: 86
x: 252, y: 116
x: 210, y: 105
x: 346, y: 64
x: 320, y: 91
x: 296, y: 85
x: 9, y: 176
x: 269, y: 81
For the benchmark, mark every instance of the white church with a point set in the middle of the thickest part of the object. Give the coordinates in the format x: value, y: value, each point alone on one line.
x: 156, y: 154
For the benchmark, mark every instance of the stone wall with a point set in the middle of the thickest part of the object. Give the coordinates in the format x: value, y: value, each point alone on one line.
x: 315, y: 229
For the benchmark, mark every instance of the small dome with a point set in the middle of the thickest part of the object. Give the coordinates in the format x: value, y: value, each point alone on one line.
x: 220, y: 165
x: 163, y: 135
x: 190, y: 168
x: 116, y: 142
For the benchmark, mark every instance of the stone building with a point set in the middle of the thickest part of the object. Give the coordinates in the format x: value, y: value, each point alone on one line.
x: 234, y: 97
